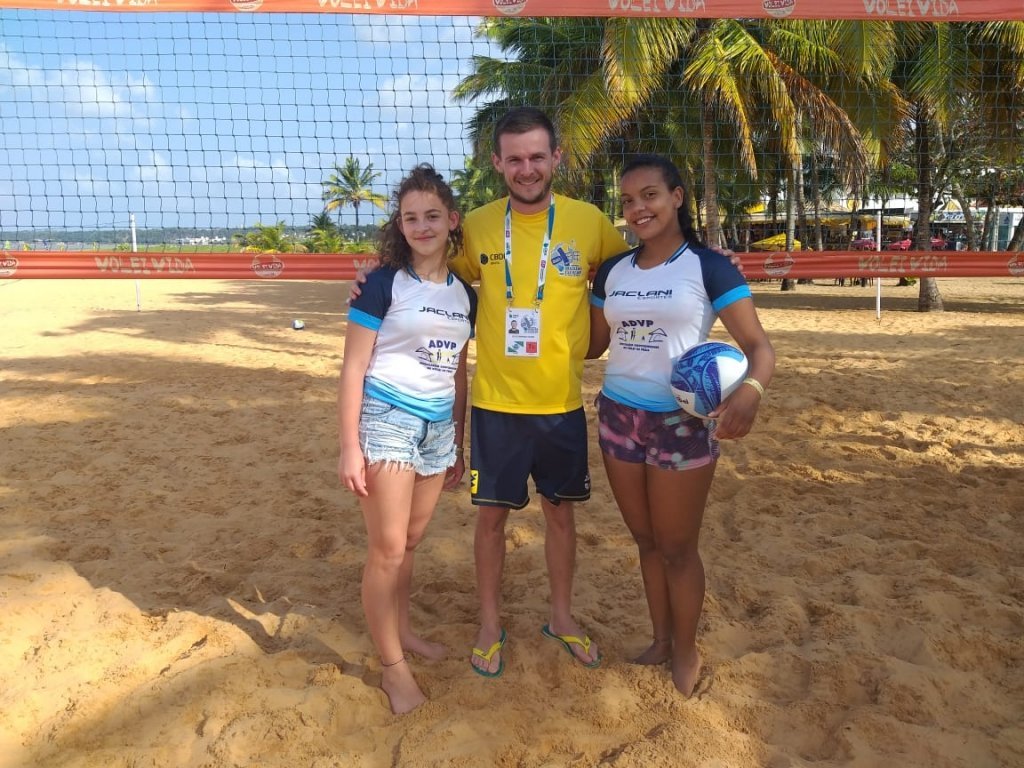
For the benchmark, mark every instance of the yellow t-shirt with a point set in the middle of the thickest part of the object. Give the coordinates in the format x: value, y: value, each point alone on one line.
x: 582, y: 238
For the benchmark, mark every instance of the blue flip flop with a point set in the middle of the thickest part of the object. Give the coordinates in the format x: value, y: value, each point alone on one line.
x: 568, y: 641
x: 488, y: 655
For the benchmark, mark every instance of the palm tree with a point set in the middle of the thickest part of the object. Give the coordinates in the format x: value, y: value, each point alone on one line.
x: 475, y: 184
x: 707, y: 89
x: 945, y: 67
x: 350, y: 184
x: 323, y: 235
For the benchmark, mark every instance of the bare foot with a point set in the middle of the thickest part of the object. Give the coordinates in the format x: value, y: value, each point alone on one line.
x: 403, y: 693
x: 659, y: 652
x: 686, y: 671
x: 487, y: 652
x: 431, y: 651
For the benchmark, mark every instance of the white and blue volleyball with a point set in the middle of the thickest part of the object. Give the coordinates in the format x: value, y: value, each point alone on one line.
x: 704, y: 375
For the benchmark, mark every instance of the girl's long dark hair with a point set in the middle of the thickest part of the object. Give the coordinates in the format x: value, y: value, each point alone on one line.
x: 673, y: 179
x: 392, y: 246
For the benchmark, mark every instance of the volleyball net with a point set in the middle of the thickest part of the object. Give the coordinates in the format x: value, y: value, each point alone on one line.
x: 248, y: 139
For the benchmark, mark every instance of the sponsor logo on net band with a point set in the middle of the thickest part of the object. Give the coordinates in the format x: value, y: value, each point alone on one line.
x: 778, y: 264
x: 510, y: 7
x: 779, y: 8
x: 1015, y: 265
x: 657, y: 7
x: 267, y: 266
x: 8, y: 266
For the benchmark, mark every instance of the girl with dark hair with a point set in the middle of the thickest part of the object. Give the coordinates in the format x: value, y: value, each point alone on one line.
x: 648, y: 306
x: 401, y: 409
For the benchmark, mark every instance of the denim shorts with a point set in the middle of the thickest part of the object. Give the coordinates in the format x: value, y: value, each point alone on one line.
x: 673, y: 440
x: 389, y: 434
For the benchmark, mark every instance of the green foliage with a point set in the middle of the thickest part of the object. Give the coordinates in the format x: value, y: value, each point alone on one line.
x: 475, y: 184
x: 267, y: 238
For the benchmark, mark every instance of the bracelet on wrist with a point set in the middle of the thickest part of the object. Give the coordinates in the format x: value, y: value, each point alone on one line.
x: 755, y: 384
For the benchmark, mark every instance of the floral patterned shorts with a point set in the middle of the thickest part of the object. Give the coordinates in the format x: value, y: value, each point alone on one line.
x: 671, y: 440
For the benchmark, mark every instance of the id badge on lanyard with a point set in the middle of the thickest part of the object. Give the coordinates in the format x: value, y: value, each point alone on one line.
x: 522, y: 325
x: 522, y: 332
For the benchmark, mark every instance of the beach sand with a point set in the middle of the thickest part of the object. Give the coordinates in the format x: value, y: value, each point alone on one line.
x: 179, y: 567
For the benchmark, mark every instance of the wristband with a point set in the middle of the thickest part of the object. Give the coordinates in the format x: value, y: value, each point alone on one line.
x: 755, y: 384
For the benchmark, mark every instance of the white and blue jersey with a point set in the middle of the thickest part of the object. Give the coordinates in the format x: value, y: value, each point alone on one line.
x: 421, y: 330
x: 656, y: 314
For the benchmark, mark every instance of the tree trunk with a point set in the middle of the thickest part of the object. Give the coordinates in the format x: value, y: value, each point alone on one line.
x: 710, y: 176
x: 800, y: 232
x: 791, y: 215
x: 972, y: 238
x: 993, y: 236
x: 819, y: 239
x: 990, y: 224
x: 791, y: 194
x: 929, y: 299
x: 1017, y: 241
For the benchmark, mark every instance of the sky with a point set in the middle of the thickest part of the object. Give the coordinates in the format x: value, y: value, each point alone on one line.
x: 218, y: 120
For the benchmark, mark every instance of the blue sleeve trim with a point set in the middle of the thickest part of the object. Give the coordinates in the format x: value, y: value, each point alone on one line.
x: 731, y: 297
x: 359, y: 317
x: 723, y: 283
x: 596, y: 301
x: 375, y: 300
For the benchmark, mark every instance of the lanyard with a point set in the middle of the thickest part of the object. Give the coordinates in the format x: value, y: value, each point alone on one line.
x: 542, y: 271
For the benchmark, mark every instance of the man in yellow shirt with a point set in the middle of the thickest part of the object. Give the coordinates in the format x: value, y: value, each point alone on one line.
x: 532, y: 254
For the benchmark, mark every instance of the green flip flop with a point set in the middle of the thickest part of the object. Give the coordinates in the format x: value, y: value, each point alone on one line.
x: 568, y: 641
x: 488, y: 655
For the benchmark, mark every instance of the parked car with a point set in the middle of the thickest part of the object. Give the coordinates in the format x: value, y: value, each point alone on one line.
x: 863, y: 244
x: 907, y: 244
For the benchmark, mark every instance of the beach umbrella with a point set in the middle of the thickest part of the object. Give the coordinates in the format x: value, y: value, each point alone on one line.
x: 774, y: 243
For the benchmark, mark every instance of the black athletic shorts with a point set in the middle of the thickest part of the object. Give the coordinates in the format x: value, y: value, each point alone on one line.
x: 509, y: 448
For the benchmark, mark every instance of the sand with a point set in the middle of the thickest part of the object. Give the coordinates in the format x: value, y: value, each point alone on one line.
x: 179, y: 567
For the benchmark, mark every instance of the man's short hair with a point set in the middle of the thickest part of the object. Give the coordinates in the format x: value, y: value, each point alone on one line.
x: 522, y: 120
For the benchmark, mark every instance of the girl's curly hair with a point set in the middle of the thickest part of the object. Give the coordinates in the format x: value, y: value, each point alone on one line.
x: 392, y: 246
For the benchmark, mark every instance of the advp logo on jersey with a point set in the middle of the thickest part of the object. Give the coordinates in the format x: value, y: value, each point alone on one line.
x: 641, y: 335
x: 439, y: 354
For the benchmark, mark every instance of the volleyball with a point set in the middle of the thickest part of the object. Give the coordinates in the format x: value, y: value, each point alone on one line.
x: 705, y: 374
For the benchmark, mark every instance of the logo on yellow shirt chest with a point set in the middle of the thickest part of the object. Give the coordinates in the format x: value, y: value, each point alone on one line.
x: 565, y: 258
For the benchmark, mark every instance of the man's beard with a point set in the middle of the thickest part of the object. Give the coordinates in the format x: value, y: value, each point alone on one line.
x: 542, y: 195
